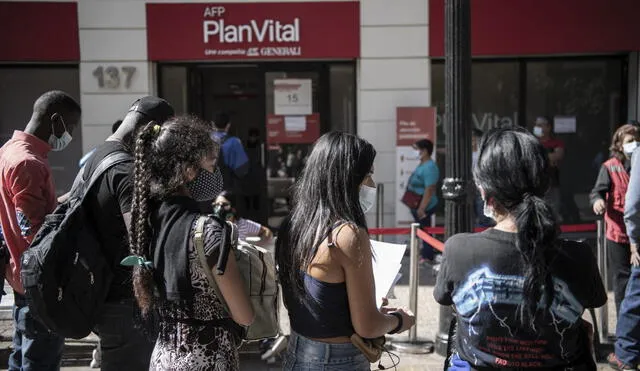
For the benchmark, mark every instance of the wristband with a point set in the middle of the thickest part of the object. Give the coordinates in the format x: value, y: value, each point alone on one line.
x: 400, y: 323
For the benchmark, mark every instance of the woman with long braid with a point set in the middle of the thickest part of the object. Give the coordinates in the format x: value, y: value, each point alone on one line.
x: 172, y: 165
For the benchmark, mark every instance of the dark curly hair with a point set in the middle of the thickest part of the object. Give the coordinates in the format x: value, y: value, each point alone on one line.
x: 162, y: 154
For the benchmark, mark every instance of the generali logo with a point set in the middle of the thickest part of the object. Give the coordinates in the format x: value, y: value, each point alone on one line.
x: 267, y: 30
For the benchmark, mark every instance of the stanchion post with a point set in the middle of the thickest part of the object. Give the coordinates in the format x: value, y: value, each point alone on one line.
x: 603, y: 312
x: 414, y: 280
x: 380, y: 209
x: 413, y: 345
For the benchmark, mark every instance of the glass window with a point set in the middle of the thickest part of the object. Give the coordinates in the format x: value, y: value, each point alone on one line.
x: 589, y: 91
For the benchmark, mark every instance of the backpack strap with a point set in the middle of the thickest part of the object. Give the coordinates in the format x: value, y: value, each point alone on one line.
x: 198, y: 241
x: 112, y: 159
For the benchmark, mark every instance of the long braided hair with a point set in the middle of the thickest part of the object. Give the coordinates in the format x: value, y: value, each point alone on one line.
x: 161, y: 157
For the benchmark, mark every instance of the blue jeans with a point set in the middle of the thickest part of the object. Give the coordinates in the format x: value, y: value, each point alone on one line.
x: 309, y: 355
x: 122, y: 346
x: 627, y: 344
x: 427, y: 251
x: 34, y: 347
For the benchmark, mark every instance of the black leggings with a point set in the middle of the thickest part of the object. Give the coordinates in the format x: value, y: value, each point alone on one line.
x: 620, y: 265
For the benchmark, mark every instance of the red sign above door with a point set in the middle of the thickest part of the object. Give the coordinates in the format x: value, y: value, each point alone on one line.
x: 238, y: 31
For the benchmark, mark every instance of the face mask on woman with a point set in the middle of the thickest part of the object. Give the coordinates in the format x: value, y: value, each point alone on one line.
x: 367, y: 197
x: 628, y: 148
x: 206, y: 186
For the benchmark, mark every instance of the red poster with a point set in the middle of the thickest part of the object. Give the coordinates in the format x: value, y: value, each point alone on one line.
x: 244, y: 30
x: 415, y: 123
x: 39, y: 31
x: 302, y: 129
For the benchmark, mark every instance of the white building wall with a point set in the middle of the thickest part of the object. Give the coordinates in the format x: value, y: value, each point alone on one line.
x: 393, y: 71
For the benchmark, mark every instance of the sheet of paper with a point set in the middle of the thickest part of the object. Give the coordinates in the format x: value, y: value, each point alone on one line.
x: 295, y: 123
x: 387, y: 261
x: 564, y: 124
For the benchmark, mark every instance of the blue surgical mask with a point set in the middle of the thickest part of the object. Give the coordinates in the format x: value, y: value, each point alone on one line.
x: 58, y: 144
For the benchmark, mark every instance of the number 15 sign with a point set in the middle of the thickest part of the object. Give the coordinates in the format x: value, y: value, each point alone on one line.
x: 292, y: 97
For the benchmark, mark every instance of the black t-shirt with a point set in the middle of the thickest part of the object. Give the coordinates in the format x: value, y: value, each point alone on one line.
x: 482, y: 275
x: 108, y: 200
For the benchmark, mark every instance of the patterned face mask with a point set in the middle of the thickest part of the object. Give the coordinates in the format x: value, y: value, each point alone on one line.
x: 206, y: 186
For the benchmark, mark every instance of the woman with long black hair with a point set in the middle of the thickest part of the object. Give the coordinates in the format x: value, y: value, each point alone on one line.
x: 174, y: 170
x: 324, y: 257
x: 518, y: 290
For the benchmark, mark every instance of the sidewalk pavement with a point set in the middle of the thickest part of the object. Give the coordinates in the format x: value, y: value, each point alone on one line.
x: 78, y: 353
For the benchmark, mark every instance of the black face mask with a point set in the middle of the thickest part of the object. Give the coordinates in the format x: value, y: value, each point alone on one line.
x: 206, y: 186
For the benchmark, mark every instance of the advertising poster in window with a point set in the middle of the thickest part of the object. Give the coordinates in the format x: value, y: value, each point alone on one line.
x: 412, y: 125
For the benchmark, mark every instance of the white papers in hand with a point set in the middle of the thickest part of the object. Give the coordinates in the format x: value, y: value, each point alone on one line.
x: 387, y: 261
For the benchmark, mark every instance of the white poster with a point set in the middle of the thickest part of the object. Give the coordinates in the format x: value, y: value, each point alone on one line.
x: 564, y: 124
x: 406, y: 162
x: 292, y: 97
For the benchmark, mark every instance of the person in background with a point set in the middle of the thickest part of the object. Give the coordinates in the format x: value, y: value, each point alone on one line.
x: 27, y: 195
x: 256, y: 175
x: 517, y: 305
x: 626, y: 354
x: 234, y: 162
x: 607, y: 197
x: 555, y: 150
x: 122, y: 345
x: 169, y: 281
x: 423, y: 182
x: 224, y: 207
x: 324, y: 257
x: 482, y: 220
x: 84, y: 158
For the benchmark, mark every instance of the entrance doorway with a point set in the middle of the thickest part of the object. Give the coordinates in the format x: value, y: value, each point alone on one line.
x: 246, y: 92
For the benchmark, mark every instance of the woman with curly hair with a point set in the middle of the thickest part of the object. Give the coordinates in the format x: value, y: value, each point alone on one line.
x: 172, y: 163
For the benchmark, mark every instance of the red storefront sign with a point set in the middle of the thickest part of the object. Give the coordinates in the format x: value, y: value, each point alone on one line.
x: 541, y: 27
x: 415, y: 123
x: 277, y: 132
x: 26, y: 30
x: 236, y: 31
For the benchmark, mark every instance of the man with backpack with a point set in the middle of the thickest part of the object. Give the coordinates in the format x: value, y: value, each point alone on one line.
x: 27, y: 195
x: 233, y: 161
x: 122, y: 345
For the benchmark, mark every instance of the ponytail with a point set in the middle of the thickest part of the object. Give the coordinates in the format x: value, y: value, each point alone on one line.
x: 536, y: 241
x: 143, y: 282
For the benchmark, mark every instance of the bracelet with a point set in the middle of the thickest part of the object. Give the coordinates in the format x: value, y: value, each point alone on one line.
x: 400, y: 323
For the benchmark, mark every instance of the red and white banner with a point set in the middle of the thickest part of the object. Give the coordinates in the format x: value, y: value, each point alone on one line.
x: 237, y: 31
x: 412, y: 125
x: 293, y: 129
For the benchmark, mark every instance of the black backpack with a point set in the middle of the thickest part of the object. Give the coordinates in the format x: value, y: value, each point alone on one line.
x: 65, y: 275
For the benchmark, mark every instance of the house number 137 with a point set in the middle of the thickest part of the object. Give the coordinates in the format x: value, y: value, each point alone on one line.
x: 111, y: 78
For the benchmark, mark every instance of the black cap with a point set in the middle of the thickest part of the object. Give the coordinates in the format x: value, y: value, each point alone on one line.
x: 157, y: 109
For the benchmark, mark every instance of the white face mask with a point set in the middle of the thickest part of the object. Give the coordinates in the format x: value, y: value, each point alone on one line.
x: 488, y: 211
x: 58, y: 144
x: 537, y: 131
x: 367, y: 197
x: 628, y: 148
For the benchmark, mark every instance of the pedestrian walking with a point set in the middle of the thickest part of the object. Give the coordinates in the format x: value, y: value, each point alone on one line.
x: 607, y: 197
x: 172, y: 162
x: 517, y: 305
x: 626, y: 354
x: 122, y: 346
x: 27, y: 195
x: 324, y: 256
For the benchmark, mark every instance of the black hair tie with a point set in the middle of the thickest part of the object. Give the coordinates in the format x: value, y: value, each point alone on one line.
x: 527, y: 196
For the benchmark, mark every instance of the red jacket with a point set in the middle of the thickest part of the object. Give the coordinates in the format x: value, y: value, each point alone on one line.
x: 614, y: 215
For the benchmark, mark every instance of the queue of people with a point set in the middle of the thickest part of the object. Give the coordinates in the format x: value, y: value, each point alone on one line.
x: 508, y: 285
